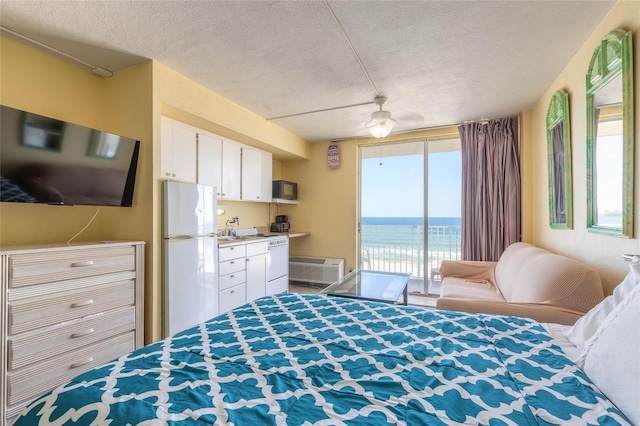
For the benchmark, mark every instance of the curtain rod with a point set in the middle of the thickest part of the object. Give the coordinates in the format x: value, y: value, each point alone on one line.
x: 486, y: 120
x: 103, y: 72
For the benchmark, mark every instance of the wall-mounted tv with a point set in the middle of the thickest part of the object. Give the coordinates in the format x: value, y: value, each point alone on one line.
x: 44, y: 160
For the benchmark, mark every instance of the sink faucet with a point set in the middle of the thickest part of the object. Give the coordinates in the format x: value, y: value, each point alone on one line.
x: 229, y: 231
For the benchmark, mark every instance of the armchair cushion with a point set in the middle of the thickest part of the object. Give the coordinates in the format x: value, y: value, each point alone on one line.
x: 469, y: 279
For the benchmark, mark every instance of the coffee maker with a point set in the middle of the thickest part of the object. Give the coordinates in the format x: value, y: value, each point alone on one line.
x: 281, y: 224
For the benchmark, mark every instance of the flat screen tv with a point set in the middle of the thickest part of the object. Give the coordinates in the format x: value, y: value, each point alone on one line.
x: 44, y: 160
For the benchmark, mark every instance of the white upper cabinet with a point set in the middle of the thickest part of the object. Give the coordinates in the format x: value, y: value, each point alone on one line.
x: 266, y: 176
x: 251, y: 166
x: 238, y: 172
x: 210, y: 161
x: 178, y: 151
x: 231, y: 166
x: 256, y: 175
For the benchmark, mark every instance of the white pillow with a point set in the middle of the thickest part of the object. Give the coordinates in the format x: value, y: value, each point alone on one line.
x: 587, y: 325
x: 610, y: 357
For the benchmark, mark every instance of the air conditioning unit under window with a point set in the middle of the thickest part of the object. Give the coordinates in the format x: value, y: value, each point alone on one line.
x: 319, y: 270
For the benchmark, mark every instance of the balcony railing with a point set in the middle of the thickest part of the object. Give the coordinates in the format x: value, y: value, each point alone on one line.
x: 400, y: 248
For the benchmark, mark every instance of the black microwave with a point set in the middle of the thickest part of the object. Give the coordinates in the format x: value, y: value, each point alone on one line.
x: 285, y: 190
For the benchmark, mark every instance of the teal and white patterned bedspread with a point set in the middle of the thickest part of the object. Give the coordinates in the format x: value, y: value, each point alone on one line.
x: 297, y: 359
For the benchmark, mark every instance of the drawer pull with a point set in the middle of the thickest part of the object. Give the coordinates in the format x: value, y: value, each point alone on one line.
x: 82, y: 333
x: 83, y: 303
x: 83, y: 263
x: 232, y: 262
x: 233, y: 291
x: 87, y: 360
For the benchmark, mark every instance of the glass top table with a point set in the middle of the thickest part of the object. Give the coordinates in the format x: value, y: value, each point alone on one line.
x: 371, y: 285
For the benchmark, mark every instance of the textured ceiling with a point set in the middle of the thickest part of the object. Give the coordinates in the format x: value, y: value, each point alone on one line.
x: 438, y: 62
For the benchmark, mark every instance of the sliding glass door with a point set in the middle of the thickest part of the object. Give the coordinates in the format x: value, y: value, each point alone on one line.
x: 398, y: 184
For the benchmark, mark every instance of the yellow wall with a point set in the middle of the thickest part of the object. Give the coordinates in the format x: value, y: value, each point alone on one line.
x: 600, y: 251
x: 527, y: 211
x: 39, y: 83
x: 130, y: 103
x: 25, y: 85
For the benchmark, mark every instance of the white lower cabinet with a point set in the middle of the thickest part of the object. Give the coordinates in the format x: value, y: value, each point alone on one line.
x: 257, y: 270
x: 233, y: 297
x: 242, y: 273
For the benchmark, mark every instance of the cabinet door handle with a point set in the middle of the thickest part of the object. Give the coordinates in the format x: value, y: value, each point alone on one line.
x: 83, y: 303
x: 84, y: 263
x: 232, y: 291
x: 80, y: 363
x: 82, y: 333
x: 232, y: 263
x: 232, y: 276
x: 248, y: 259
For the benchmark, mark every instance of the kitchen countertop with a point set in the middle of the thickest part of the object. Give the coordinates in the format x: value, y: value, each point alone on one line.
x: 222, y: 241
x: 291, y: 234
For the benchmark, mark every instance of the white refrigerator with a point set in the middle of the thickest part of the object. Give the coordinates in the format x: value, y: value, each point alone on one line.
x: 190, y: 255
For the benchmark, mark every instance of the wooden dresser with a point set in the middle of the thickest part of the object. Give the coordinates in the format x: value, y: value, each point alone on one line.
x: 64, y: 310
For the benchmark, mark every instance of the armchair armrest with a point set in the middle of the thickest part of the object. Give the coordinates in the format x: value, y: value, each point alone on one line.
x: 468, y: 269
x: 537, y: 311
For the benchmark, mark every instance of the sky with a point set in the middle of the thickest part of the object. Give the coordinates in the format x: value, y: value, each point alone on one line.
x: 609, y: 177
x: 395, y: 187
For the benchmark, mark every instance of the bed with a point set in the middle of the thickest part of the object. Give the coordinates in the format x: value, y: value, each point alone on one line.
x: 299, y: 359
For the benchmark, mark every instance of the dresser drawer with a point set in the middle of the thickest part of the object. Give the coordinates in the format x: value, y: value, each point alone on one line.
x: 36, y: 268
x: 231, y: 280
x: 27, y: 348
x: 36, y: 312
x: 231, y: 252
x: 40, y: 377
x: 231, y: 266
x: 232, y: 297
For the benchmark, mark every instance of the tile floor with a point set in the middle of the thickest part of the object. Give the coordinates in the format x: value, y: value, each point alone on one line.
x: 415, y: 298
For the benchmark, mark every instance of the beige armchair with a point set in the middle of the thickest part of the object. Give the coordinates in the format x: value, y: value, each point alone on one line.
x: 526, y: 281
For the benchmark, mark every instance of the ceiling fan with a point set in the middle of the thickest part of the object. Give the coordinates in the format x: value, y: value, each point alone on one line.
x: 381, y: 122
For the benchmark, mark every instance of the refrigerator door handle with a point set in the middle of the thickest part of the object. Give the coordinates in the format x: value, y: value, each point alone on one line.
x: 180, y: 237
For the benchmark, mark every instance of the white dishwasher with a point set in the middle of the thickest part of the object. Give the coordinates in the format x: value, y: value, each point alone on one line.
x: 278, y: 264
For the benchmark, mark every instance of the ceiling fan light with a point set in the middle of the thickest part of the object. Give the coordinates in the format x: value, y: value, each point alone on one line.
x: 380, y: 130
x: 381, y: 124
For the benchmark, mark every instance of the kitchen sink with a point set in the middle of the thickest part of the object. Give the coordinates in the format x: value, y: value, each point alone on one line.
x: 242, y: 237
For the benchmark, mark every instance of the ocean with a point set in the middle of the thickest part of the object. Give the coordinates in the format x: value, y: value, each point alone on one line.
x: 412, y: 221
x: 396, y: 244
